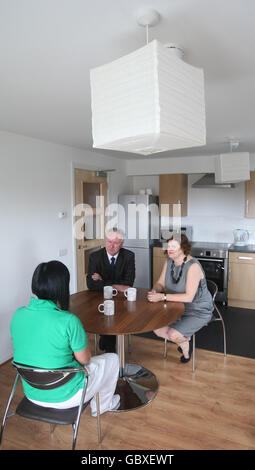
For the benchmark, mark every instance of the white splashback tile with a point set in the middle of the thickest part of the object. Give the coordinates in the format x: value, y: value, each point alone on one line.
x: 215, y: 213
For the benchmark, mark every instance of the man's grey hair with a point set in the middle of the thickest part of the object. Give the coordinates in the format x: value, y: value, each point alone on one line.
x: 117, y: 231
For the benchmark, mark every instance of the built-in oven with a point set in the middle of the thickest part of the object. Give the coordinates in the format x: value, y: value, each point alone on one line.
x: 214, y: 261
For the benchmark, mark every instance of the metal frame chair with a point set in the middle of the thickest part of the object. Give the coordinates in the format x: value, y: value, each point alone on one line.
x: 213, y: 289
x: 47, y: 379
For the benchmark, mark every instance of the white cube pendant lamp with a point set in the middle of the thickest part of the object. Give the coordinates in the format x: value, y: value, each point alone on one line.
x: 148, y: 101
x: 232, y: 167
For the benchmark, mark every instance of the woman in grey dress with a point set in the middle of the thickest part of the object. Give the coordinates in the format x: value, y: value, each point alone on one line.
x: 183, y: 280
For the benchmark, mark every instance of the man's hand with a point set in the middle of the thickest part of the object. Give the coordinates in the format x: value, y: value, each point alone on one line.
x: 96, y: 277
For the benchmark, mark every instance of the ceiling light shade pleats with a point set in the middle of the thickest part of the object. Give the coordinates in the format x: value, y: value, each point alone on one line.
x: 232, y: 167
x: 148, y: 101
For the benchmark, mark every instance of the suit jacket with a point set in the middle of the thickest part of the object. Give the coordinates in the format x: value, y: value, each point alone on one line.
x: 124, y: 269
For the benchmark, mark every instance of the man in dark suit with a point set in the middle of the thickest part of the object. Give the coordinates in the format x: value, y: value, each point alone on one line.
x: 112, y: 265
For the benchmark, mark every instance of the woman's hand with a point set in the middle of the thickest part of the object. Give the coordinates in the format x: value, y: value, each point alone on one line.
x: 154, y: 296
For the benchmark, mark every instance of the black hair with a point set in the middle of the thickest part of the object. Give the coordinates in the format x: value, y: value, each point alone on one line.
x: 51, y: 282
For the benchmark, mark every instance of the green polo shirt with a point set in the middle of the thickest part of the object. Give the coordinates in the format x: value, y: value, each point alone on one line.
x: 45, y: 336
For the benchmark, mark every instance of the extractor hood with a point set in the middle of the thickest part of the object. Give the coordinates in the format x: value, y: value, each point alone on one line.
x: 208, y: 181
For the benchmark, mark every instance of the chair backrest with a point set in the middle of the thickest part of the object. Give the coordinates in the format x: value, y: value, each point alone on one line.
x: 46, y: 379
x: 212, y: 287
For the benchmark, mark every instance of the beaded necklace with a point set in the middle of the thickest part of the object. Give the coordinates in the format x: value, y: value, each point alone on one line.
x: 174, y: 279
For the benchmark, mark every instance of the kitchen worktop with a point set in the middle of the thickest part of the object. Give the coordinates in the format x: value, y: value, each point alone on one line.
x: 227, y: 246
x: 242, y: 249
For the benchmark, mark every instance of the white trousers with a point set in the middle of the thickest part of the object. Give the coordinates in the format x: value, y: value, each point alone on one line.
x: 103, y: 375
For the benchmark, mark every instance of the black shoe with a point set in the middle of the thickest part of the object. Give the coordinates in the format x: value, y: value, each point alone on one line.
x: 179, y: 349
x: 184, y: 359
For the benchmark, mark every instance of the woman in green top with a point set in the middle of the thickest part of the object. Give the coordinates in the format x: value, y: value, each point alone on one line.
x: 45, y: 334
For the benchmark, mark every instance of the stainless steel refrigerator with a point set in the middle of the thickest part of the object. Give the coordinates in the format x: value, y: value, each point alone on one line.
x: 138, y: 217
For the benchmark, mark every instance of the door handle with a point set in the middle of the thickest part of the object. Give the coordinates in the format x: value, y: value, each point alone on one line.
x: 208, y: 260
x: 82, y: 247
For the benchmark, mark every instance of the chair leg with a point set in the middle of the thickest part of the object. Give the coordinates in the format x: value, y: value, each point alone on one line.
x: 224, y: 330
x: 165, y: 349
x: 193, y: 354
x: 52, y: 427
x: 95, y: 343
x: 224, y: 340
x: 76, y: 425
x: 98, y: 418
x: 129, y: 343
x: 77, y: 422
x: 8, y: 406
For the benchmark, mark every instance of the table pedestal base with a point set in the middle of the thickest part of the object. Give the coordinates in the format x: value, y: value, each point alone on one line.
x: 137, y: 387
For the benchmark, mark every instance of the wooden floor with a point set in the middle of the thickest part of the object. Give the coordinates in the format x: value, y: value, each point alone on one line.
x: 213, y: 408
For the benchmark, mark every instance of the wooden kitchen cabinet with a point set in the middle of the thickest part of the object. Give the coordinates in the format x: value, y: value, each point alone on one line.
x: 250, y: 196
x: 159, y: 259
x: 172, y: 189
x: 241, y: 280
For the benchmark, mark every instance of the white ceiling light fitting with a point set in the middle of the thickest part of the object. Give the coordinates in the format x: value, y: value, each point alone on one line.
x: 147, y: 18
x: 234, y: 144
x: 148, y: 101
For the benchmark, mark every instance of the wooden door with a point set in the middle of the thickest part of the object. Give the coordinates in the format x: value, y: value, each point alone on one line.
x: 90, y: 204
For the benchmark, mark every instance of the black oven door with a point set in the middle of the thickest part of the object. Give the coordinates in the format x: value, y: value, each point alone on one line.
x: 214, y: 270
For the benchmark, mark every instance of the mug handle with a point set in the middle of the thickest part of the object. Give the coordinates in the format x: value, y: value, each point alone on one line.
x: 101, y: 305
x: 125, y: 293
x: 114, y: 291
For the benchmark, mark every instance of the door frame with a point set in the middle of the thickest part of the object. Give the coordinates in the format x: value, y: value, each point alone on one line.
x: 79, y: 166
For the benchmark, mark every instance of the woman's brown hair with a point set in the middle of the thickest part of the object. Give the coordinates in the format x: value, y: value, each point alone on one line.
x: 185, y: 244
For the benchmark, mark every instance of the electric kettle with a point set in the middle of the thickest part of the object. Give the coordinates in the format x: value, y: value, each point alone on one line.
x: 241, y: 237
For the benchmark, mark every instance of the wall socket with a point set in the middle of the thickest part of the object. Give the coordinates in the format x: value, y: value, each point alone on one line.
x: 62, y: 252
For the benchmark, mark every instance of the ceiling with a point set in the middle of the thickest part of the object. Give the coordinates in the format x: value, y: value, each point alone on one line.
x: 47, y: 48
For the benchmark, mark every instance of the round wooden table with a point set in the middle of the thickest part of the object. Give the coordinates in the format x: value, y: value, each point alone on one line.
x: 136, y: 386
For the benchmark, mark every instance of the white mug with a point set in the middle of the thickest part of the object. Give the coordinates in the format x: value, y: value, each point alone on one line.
x: 130, y: 293
x: 109, y: 291
x: 107, y: 307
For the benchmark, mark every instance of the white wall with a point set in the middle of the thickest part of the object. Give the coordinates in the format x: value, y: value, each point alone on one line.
x: 36, y: 182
